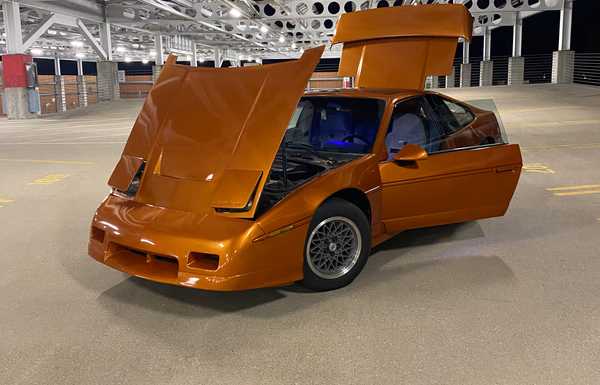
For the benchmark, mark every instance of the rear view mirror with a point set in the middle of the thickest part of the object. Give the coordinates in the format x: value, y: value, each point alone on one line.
x: 411, y: 153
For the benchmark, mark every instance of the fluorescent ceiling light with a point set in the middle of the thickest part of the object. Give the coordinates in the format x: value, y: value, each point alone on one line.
x: 120, y: 49
x: 51, y: 32
x: 36, y: 51
x: 77, y: 43
x: 127, y: 60
x: 234, y: 12
x: 79, y: 55
x: 206, y: 12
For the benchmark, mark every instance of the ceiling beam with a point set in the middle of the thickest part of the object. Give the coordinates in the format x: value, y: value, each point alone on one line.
x: 41, y: 29
x: 92, y: 40
x: 93, y: 11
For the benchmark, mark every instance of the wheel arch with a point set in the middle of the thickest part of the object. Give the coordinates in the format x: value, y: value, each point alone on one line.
x: 356, y: 197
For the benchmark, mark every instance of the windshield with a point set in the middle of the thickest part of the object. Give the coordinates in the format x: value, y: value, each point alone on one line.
x: 335, y: 124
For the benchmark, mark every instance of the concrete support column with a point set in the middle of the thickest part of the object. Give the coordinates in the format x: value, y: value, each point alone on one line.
x: 158, y: 47
x: 563, y: 63
x: 156, y: 73
x: 516, y: 70
x: 60, y: 96
x: 465, y: 75
x: 194, y: 62
x: 487, y: 44
x: 12, y: 23
x: 430, y: 82
x: 517, y: 36
x: 108, y: 81
x: 466, y: 53
x: 60, y: 93
x: 82, y: 91
x: 16, y: 98
x: 105, y: 40
x: 218, y: 57
x: 81, y: 85
x: 450, y: 78
x: 566, y: 21
x: 486, y: 73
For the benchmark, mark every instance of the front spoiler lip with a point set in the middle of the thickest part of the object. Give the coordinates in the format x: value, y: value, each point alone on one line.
x: 197, y: 280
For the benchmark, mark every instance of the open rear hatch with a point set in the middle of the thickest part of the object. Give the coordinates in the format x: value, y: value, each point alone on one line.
x: 206, y: 137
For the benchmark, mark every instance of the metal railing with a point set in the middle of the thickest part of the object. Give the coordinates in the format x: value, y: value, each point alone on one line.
x: 538, y: 68
x: 59, y: 94
x: 587, y: 69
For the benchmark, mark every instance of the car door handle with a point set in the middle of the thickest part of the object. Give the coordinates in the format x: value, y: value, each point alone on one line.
x: 504, y: 169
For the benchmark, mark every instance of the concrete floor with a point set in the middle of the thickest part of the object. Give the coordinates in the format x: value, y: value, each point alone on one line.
x: 512, y: 300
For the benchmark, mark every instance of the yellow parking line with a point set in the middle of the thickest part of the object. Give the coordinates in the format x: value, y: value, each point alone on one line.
x: 49, y: 161
x: 538, y: 168
x: 5, y: 200
x: 572, y: 193
x: 576, y: 187
x: 49, y: 179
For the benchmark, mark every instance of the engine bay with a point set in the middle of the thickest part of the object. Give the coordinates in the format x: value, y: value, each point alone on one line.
x: 294, y: 166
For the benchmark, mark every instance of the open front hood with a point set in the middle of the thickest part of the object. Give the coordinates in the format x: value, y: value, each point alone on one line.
x: 208, y: 136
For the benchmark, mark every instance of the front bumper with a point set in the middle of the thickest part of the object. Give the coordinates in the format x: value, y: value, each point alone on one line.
x: 160, y: 244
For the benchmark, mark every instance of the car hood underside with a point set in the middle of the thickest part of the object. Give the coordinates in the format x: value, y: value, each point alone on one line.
x: 207, y: 137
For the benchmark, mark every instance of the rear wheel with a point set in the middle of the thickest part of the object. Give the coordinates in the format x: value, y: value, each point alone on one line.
x: 337, y: 245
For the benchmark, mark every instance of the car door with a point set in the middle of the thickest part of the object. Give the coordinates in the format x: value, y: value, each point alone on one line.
x: 451, y: 184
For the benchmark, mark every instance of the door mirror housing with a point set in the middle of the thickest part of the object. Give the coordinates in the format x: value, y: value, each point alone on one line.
x: 411, y: 153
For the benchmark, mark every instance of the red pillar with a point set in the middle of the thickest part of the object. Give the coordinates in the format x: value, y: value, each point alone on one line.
x: 16, y: 92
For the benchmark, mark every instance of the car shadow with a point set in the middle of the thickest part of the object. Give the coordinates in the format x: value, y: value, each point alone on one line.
x: 189, y: 302
x: 432, y: 235
x: 186, y: 301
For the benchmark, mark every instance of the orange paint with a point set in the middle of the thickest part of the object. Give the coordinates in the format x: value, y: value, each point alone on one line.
x: 208, y: 138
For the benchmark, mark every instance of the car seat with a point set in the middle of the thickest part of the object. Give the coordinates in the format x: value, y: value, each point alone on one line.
x: 406, y: 128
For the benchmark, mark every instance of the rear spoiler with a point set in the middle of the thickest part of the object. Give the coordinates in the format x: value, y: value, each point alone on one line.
x: 399, y: 47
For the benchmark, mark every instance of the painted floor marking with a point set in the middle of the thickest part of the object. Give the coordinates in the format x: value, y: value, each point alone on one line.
x: 574, y: 193
x: 558, y: 146
x: 50, y: 179
x: 49, y: 161
x: 538, y: 168
x: 584, y: 189
x: 4, y: 201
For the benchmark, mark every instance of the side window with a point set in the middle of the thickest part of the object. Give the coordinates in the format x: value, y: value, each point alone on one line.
x: 456, y: 115
x: 407, y: 126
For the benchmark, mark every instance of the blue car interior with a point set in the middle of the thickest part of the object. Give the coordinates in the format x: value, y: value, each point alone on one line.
x: 340, y: 124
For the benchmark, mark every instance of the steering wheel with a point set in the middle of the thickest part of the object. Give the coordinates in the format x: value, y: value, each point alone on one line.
x: 350, y: 138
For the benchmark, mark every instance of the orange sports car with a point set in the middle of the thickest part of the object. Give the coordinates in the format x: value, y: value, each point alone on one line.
x: 235, y: 178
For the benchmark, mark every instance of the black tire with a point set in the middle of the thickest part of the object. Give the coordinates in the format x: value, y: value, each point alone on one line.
x: 340, y: 213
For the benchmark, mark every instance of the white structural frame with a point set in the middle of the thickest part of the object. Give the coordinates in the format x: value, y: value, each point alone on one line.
x: 149, y: 29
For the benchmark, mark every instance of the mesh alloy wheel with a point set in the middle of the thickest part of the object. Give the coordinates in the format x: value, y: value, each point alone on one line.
x: 334, y: 247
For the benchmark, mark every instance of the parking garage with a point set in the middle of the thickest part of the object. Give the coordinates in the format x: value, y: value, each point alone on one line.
x: 505, y: 300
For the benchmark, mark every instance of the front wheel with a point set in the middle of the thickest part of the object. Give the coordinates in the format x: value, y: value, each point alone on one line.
x: 337, y: 245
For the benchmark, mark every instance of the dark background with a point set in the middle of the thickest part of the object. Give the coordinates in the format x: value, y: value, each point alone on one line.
x: 540, y: 35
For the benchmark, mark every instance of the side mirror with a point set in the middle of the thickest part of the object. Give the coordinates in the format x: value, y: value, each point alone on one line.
x: 411, y: 153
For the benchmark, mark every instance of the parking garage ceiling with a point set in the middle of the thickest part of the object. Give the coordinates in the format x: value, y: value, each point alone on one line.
x: 246, y: 29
